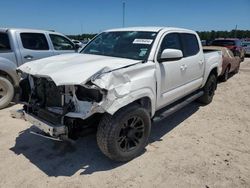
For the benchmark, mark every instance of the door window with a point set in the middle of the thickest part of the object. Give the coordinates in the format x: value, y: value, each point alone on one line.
x: 170, y: 41
x: 34, y: 41
x: 4, y: 42
x: 190, y: 44
x: 61, y: 43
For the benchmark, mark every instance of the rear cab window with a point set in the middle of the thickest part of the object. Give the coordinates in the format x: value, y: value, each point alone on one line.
x: 34, y: 41
x: 4, y: 43
x: 61, y: 43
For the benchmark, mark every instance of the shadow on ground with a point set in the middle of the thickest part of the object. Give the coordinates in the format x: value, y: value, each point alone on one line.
x: 62, y: 159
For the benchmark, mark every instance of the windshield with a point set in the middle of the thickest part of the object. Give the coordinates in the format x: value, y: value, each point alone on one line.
x: 125, y: 44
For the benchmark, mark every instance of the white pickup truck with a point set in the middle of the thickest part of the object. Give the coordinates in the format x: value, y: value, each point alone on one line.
x: 121, y: 80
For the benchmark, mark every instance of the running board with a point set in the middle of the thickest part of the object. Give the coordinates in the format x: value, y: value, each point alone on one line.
x: 167, y: 111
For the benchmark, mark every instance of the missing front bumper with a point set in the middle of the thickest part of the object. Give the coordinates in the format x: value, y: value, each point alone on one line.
x: 55, y: 131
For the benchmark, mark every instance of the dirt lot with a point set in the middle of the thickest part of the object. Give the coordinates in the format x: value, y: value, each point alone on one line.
x: 199, y: 146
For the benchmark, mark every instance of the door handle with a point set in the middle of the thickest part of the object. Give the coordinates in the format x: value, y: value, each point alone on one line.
x: 28, y: 57
x: 201, y: 62
x: 183, y: 67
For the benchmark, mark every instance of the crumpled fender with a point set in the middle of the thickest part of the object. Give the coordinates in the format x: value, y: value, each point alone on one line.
x: 133, y: 96
x: 125, y: 87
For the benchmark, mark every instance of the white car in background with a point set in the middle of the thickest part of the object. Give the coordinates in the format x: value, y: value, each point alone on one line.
x: 78, y: 43
x: 246, y: 46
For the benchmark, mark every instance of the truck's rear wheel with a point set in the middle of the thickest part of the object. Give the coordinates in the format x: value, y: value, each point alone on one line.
x: 6, y: 92
x: 209, y: 90
x: 124, y: 135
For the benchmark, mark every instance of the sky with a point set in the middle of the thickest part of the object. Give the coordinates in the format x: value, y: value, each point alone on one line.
x: 94, y: 16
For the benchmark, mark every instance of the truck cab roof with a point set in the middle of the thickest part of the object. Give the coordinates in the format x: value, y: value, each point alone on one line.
x: 148, y: 29
x: 26, y: 30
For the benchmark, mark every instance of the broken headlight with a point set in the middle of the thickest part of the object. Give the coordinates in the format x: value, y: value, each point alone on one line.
x: 88, y: 94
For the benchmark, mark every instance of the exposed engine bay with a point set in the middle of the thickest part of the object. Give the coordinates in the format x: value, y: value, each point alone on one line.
x: 60, y: 105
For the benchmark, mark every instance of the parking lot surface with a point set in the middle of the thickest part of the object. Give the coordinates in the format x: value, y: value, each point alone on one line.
x: 198, y: 146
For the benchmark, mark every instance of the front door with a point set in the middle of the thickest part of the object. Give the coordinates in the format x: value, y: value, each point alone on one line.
x: 171, y: 72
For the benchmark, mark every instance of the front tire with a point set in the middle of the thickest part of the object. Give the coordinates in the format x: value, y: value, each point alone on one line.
x: 124, y: 135
x: 209, y: 90
x: 6, y: 92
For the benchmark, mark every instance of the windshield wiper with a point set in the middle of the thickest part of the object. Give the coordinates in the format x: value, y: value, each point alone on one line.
x: 142, y: 61
x: 99, y: 74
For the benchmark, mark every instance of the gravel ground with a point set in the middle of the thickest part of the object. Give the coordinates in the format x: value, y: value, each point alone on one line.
x: 199, y: 146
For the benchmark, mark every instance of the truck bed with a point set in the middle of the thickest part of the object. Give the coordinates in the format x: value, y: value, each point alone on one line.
x: 215, y: 56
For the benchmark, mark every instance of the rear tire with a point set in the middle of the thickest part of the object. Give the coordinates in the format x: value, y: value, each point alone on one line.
x: 6, y: 92
x: 225, y: 76
x: 209, y: 90
x: 124, y: 135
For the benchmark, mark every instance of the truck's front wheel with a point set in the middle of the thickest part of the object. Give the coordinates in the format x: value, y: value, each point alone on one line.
x: 124, y: 135
x: 209, y: 90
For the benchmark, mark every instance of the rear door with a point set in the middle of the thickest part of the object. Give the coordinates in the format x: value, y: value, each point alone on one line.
x: 194, y: 60
x: 33, y: 46
x: 61, y: 44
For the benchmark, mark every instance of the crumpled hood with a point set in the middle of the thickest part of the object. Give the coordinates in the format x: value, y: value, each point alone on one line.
x: 73, y: 69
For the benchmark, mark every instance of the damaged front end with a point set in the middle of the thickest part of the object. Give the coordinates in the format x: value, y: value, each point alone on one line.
x: 67, y: 106
x: 61, y: 111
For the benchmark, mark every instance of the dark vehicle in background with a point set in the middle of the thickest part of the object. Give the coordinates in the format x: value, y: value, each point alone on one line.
x: 204, y: 42
x: 232, y: 44
x: 230, y: 63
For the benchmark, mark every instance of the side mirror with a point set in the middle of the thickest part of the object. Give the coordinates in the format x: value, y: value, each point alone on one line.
x: 170, y: 55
